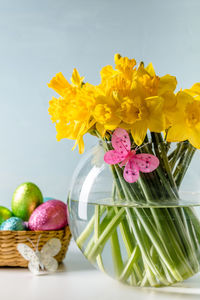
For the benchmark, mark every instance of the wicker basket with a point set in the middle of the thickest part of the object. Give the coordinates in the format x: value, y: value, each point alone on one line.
x: 9, y: 255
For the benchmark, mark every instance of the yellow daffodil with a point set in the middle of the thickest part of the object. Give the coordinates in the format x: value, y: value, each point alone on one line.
x: 186, y: 121
x: 72, y: 111
x: 163, y: 87
x: 131, y: 97
x: 138, y: 105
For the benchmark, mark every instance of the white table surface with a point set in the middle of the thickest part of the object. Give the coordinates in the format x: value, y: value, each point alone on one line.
x: 77, y: 279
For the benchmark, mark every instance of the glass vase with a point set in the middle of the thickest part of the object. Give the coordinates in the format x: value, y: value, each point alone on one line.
x: 145, y: 233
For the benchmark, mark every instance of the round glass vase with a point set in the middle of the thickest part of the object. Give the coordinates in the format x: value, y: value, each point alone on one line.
x: 145, y: 233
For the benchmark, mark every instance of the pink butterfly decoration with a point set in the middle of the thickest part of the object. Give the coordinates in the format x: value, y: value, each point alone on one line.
x: 122, y: 153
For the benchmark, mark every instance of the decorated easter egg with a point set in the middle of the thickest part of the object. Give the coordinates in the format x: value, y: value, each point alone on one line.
x: 26, y: 198
x: 5, y: 214
x: 51, y: 215
x: 13, y: 223
x: 45, y: 199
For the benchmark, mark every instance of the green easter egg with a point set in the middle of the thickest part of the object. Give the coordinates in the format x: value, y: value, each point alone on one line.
x: 26, y: 198
x: 5, y: 214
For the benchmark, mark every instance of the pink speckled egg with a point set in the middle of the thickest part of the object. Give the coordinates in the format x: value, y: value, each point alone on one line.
x: 51, y: 215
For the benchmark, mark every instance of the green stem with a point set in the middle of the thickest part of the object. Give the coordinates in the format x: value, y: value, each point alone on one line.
x: 108, y: 216
x: 129, y: 265
x: 130, y: 244
x: 110, y: 228
x: 183, y: 165
x: 195, y: 221
x: 87, y: 231
x: 96, y: 236
x: 160, y: 246
x: 177, y: 152
x: 158, y: 142
x: 148, y: 260
x: 116, y: 253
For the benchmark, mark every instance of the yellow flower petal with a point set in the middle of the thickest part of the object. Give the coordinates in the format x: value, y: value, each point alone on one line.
x: 59, y: 83
x: 80, y: 144
x: 167, y: 83
x: 107, y: 72
x: 148, y: 83
x: 194, y: 91
x: 113, y: 124
x: 177, y: 133
x: 155, y: 117
x: 76, y: 79
x: 194, y: 137
x: 170, y: 101
x: 150, y: 70
x: 101, y: 129
x: 124, y: 62
x: 139, y: 131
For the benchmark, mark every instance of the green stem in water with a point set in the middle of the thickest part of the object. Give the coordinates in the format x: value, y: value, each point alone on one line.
x: 170, y: 262
x: 96, y: 235
x: 130, y: 245
x: 129, y: 265
x: 88, y: 230
x: 116, y: 253
x: 110, y: 228
x: 104, y: 223
x: 146, y: 255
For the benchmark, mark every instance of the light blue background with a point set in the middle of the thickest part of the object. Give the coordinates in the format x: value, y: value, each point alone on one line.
x: 40, y: 38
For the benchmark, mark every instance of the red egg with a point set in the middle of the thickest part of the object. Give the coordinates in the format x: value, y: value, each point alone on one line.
x: 51, y: 215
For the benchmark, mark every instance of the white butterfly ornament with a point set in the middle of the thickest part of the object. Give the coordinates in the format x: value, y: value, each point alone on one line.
x: 41, y: 261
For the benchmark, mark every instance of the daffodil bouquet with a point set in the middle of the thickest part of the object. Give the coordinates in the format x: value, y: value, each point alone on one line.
x: 149, y: 134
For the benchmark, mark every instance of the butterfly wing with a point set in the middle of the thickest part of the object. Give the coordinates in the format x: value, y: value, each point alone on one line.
x: 25, y: 251
x: 131, y: 172
x: 113, y: 157
x: 121, y: 141
x: 49, y: 263
x: 34, y: 266
x: 50, y: 249
x: 30, y: 255
x: 121, y: 144
x: 146, y: 162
